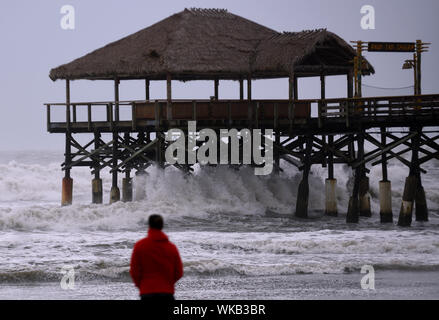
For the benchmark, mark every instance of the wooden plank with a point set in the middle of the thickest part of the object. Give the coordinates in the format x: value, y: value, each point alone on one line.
x: 89, y: 119
x: 48, y: 116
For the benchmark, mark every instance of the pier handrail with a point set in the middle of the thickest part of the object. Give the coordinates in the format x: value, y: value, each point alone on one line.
x: 342, y: 109
x: 348, y: 109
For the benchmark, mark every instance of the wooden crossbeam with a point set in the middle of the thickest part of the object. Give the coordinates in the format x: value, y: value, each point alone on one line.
x: 135, y: 154
x: 133, y: 151
x: 88, y: 155
x: 429, y: 157
x: 383, y: 149
x: 393, y: 154
x: 290, y: 160
x: 408, y: 144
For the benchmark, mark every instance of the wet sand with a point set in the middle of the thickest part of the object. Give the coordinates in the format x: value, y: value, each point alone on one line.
x: 388, y: 285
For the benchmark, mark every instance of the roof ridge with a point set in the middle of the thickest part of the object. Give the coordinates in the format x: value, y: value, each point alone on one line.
x: 209, y: 12
x: 296, y: 35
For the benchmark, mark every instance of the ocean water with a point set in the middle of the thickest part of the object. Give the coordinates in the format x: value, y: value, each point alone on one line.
x: 217, y: 218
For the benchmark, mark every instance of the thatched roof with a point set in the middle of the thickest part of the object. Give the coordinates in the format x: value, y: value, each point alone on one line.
x: 210, y: 44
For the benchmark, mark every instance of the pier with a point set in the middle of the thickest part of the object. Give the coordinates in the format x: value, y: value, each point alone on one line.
x: 320, y: 131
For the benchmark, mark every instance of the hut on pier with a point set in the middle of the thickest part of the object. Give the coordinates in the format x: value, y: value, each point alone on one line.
x: 194, y: 44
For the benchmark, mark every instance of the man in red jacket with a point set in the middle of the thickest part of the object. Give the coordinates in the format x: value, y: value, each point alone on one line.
x: 155, y: 263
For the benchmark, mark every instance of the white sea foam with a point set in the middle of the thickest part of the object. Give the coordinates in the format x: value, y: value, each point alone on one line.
x: 216, y: 217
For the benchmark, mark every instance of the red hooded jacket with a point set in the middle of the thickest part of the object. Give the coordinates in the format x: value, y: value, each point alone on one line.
x: 155, y: 264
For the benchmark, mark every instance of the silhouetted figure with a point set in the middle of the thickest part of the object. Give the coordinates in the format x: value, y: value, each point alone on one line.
x: 155, y: 263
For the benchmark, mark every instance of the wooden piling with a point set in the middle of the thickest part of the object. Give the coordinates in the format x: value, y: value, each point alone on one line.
x: 127, y: 185
x: 303, y: 190
x: 114, y: 192
x: 67, y: 191
x: 363, y: 188
x: 385, y: 187
x: 96, y: 187
x: 410, y: 188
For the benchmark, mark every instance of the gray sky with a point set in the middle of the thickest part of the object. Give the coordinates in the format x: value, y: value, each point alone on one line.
x: 33, y: 42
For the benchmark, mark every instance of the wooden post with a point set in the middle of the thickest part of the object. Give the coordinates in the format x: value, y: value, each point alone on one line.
x: 322, y: 87
x: 48, y: 116
x: 383, y: 157
x: 249, y: 88
x: 303, y: 191
x: 418, y: 65
x: 408, y: 197
x: 420, y: 199
x: 385, y: 188
x: 146, y: 89
x: 141, y: 175
x: 127, y: 185
x: 115, y: 192
x: 363, y: 189
x: 241, y: 89
x: 116, y: 98
x: 68, y: 105
x: 67, y: 182
x: 295, y: 88
x: 352, y: 215
x: 168, y: 97
x: 331, y: 184
x: 292, y: 95
x: 350, y: 84
x: 216, y: 84
x: 96, y: 184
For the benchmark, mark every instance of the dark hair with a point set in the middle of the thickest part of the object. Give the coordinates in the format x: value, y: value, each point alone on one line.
x: 155, y: 222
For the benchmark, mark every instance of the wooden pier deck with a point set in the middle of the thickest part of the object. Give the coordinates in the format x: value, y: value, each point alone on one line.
x: 331, y: 115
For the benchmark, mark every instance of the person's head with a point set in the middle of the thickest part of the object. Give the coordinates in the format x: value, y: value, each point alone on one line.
x: 155, y: 222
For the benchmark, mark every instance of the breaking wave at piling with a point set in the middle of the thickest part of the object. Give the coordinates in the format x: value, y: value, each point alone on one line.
x: 30, y: 195
x: 217, y: 217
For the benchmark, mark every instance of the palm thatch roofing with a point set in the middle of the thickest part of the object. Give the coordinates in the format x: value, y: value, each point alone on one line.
x: 213, y: 44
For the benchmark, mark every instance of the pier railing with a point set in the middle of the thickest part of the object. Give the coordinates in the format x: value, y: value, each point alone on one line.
x: 375, y: 107
x: 128, y: 115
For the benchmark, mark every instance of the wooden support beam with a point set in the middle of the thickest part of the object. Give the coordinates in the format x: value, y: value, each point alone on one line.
x: 383, y: 151
x: 88, y: 155
x: 68, y: 104
x: 350, y: 84
x: 249, y: 87
x: 292, y: 95
x: 68, y: 148
x: 48, y: 117
x: 303, y: 191
x: 241, y: 89
x: 216, y: 85
x: 115, y: 192
x: 330, y: 158
x: 116, y: 99
x: 168, y: 97
x: 383, y: 158
x: 147, y: 85
x: 135, y: 154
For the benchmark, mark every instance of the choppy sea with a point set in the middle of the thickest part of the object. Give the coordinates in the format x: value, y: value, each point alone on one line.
x: 217, y: 218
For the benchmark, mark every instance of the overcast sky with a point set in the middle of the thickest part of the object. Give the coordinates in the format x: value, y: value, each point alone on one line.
x: 33, y: 42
